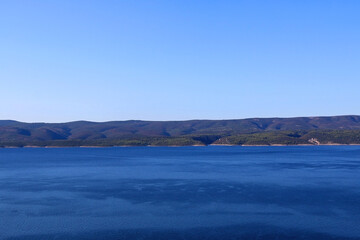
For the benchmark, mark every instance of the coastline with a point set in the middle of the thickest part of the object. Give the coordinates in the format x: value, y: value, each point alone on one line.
x: 286, y: 145
x: 218, y: 145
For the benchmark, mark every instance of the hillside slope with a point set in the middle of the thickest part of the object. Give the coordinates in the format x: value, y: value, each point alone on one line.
x: 191, y: 132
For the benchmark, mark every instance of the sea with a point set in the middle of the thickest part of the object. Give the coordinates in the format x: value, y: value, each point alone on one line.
x: 187, y: 193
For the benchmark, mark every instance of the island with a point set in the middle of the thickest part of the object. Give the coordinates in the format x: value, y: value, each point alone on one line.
x: 246, y: 132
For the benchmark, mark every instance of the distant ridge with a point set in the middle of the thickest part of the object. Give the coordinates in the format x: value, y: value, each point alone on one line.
x: 191, y: 132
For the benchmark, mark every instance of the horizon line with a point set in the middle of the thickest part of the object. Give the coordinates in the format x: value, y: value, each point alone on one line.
x: 186, y: 120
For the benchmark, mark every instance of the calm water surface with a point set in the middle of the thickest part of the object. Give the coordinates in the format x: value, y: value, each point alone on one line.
x: 180, y: 193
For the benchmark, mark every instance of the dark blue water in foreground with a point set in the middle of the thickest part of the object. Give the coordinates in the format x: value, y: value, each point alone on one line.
x: 180, y: 193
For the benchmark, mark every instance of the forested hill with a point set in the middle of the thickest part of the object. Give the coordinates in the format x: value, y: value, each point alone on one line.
x: 134, y: 132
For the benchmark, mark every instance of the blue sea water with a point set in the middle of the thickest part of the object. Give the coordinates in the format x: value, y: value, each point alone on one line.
x: 153, y: 193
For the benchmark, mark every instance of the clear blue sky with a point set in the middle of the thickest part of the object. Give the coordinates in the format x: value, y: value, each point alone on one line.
x: 172, y: 60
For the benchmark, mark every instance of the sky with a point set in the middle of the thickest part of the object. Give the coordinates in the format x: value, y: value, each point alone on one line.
x: 176, y: 60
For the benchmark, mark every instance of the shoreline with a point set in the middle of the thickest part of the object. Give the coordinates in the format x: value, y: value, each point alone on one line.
x: 217, y: 145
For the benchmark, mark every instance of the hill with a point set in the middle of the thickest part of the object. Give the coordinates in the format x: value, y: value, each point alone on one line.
x: 337, y: 129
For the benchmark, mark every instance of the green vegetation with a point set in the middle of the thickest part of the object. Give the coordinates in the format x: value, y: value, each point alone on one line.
x: 141, y: 141
x: 294, y: 137
x: 255, y: 131
x: 262, y: 138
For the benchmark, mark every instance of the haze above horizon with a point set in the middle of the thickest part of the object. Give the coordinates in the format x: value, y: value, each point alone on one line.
x: 177, y: 60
